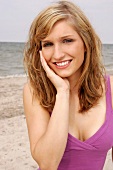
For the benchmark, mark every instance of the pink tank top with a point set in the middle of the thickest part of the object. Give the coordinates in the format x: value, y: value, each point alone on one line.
x: 90, y: 154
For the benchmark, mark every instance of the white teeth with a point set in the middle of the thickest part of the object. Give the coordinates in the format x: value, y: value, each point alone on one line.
x: 62, y: 63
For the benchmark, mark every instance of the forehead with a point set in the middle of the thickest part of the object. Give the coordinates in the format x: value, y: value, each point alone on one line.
x: 62, y: 28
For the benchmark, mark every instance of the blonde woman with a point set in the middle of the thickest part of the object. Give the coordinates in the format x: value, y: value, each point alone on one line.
x: 68, y: 100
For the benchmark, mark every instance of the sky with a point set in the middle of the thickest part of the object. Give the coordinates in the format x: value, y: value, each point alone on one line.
x: 16, y: 17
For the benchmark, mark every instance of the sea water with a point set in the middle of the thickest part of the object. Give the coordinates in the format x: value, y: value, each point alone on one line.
x: 11, y: 58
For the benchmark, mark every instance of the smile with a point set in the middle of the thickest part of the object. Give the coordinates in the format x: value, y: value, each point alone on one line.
x: 63, y: 63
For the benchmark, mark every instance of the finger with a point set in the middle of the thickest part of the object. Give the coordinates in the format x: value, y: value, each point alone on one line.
x: 45, y: 66
x: 54, y: 78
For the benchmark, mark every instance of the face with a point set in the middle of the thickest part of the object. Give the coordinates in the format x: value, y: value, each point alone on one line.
x: 63, y: 50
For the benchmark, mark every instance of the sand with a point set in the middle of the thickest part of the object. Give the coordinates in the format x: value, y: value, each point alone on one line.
x: 14, y: 141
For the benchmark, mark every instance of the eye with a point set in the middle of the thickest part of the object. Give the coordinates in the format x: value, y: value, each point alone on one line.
x: 67, y: 40
x: 47, y: 44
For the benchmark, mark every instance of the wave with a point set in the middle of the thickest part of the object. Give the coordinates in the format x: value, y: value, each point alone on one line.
x: 109, y: 71
x: 109, y: 65
x: 24, y: 75
x: 13, y: 76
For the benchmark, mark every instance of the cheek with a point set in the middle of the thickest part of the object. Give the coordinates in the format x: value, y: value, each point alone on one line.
x: 78, y: 53
x: 80, y: 50
x: 46, y: 55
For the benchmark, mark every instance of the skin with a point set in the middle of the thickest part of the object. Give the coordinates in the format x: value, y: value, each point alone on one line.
x: 61, y: 46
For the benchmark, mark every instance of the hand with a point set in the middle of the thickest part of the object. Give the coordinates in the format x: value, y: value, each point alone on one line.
x: 61, y: 84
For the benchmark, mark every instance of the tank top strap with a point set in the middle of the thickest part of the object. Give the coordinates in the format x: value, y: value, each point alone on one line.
x: 108, y: 93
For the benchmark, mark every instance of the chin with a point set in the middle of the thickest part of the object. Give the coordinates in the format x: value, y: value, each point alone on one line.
x: 63, y: 75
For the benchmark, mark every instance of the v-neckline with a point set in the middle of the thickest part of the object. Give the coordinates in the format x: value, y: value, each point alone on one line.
x: 99, y: 131
x: 93, y: 137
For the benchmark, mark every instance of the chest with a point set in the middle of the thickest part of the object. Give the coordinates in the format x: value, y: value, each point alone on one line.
x: 84, y: 125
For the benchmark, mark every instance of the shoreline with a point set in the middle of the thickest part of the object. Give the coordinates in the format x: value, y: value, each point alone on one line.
x: 109, y: 72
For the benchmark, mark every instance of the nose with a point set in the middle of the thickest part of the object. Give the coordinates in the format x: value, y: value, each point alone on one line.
x: 58, y: 52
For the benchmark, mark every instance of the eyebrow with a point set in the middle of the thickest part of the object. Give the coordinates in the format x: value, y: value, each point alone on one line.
x: 65, y: 36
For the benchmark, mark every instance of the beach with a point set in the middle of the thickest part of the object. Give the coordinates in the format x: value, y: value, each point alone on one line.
x: 14, y: 141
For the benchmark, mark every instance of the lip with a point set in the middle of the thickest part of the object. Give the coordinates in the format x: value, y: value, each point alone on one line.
x: 62, y: 64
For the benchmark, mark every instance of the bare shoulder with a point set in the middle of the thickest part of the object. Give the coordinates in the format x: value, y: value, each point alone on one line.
x: 27, y: 92
x: 27, y: 97
x: 37, y: 117
x: 111, y: 77
x: 29, y: 101
x: 26, y: 88
x: 111, y: 81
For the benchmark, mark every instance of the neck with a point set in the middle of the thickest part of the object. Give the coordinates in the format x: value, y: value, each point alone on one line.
x: 73, y: 84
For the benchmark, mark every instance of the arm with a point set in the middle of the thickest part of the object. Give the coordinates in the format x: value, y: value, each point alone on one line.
x: 48, y: 135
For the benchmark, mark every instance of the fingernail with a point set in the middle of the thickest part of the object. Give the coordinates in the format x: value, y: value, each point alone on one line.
x: 40, y: 52
x: 41, y: 58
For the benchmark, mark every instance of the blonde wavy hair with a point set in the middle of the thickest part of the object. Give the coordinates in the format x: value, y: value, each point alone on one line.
x: 90, y: 81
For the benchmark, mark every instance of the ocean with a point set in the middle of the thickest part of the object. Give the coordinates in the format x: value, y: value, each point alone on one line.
x: 11, y: 59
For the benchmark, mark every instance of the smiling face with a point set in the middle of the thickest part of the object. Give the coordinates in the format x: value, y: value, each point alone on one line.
x: 64, y: 50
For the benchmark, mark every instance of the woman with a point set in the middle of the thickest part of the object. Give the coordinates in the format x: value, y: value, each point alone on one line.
x: 68, y: 100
